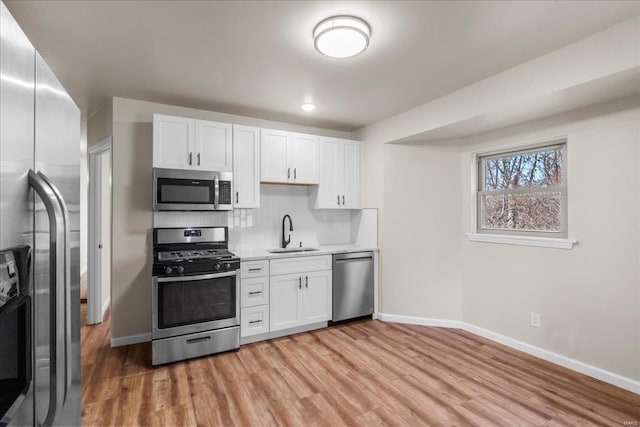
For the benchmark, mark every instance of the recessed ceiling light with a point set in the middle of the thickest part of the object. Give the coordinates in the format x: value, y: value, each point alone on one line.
x: 341, y: 36
x: 308, y: 107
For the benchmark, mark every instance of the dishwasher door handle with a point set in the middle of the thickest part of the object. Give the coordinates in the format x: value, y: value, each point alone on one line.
x: 345, y: 260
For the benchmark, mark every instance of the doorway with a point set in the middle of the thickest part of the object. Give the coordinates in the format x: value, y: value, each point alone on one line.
x: 99, y: 244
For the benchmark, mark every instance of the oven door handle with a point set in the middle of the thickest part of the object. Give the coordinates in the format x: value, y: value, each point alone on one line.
x: 195, y: 278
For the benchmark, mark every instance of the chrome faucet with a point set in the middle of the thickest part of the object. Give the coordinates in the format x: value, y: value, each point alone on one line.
x: 287, y: 241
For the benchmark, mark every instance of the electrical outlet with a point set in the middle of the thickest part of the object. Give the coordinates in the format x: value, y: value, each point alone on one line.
x: 535, y: 319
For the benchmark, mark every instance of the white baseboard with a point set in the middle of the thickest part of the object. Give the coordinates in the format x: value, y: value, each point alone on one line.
x: 105, y: 307
x: 424, y: 321
x: 130, y: 339
x: 558, y: 359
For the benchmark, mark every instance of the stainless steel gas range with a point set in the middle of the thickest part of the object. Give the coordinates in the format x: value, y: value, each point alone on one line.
x: 196, y: 308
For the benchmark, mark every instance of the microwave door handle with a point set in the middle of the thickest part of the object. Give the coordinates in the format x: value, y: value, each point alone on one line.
x: 56, y: 288
x: 216, y: 191
x: 67, y: 280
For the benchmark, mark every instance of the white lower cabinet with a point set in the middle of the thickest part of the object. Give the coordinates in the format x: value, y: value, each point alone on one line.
x: 254, y: 320
x: 286, y: 301
x: 317, y: 297
x: 254, y: 297
x: 299, y: 298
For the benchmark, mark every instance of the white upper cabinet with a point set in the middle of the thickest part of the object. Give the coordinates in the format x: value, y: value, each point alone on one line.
x: 213, y: 146
x: 303, y: 152
x: 274, y: 152
x: 246, y: 166
x: 183, y: 143
x: 340, y: 174
x: 352, y: 173
x: 289, y: 158
x: 173, y: 142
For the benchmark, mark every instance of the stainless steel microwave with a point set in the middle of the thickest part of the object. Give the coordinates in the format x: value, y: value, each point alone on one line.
x: 191, y: 190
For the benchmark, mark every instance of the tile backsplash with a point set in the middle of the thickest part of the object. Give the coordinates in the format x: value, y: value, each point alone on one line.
x: 262, y: 228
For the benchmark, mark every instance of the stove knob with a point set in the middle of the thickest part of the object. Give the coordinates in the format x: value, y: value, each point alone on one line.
x: 180, y: 269
x: 216, y: 267
x: 227, y: 265
x: 168, y: 270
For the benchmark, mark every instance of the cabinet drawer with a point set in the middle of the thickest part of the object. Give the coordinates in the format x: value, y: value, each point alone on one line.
x: 300, y: 264
x: 254, y: 291
x: 256, y: 268
x: 254, y: 320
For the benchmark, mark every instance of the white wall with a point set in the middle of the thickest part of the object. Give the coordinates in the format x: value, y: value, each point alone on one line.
x: 422, y: 232
x: 588, y: 296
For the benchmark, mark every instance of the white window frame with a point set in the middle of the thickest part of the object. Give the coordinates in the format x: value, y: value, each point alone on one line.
x: 552, y: 239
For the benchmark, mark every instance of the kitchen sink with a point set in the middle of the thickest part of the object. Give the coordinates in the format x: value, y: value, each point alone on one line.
x: 290, y: 250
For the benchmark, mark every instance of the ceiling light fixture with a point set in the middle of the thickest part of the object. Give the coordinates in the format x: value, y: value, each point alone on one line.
x: 308, y: 106
x: 341, y: 36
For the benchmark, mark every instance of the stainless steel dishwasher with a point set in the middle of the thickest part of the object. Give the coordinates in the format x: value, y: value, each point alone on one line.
x: 352, y: 285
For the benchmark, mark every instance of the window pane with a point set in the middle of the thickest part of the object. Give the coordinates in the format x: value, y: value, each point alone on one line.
x: 541, y: 168
x: 530, y: 212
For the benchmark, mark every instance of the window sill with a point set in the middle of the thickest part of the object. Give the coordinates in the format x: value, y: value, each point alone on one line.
x: 544, y: 242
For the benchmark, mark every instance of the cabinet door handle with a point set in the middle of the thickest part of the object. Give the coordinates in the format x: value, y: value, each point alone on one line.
x: 236, y: 197
x: 294, y: 173
x: 198, y: 159
x: 288, y: 173
x: 251, y: 322
x: 343, y: 200
x: 338, y: 200
x: 255, y: 293
x: 306, y: 280
x: 190, y: 158
x: 256, y: 269
x: 300, y: 282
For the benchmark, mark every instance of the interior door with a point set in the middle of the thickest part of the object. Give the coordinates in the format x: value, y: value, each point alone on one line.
x: 105, y: 231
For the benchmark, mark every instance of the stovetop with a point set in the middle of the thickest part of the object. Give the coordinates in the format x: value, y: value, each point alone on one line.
x: 216, y: 254
x: 192, y: 251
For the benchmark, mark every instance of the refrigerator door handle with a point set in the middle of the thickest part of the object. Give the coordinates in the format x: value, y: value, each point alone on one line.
x: 56, y: 285
x: 67, y: 281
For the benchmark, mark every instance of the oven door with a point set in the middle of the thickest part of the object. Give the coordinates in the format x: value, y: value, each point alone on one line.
x: 188, y: 304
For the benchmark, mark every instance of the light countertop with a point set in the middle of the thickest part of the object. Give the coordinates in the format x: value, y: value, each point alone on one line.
x: 261, y: 253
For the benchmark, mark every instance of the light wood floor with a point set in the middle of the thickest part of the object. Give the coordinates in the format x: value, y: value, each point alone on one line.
x: 366, y: 373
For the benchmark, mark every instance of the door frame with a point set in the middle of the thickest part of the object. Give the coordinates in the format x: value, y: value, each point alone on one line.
x: 95, y: 311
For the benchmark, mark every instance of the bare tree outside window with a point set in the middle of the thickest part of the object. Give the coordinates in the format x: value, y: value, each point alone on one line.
x: 522, y: 191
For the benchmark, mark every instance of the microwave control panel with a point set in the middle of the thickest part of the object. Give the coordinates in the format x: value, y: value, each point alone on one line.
x: 225, y: 193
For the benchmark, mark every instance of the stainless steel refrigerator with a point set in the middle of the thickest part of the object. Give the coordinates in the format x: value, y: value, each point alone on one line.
x: 40, y: 207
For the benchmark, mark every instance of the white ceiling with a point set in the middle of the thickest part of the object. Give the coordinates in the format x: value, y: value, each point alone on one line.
x: 257, y: 58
